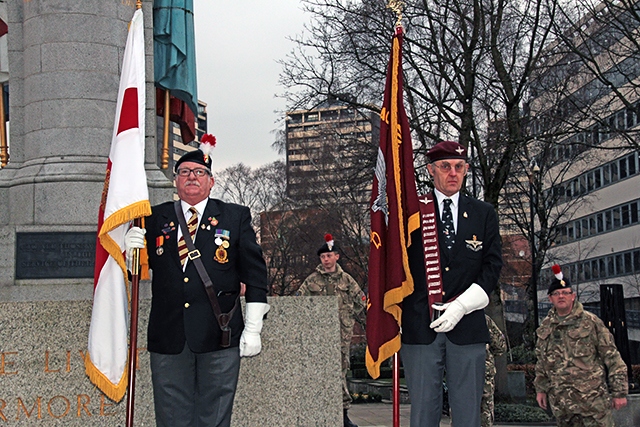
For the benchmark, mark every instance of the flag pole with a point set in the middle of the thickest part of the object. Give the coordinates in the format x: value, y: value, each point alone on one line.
x: 396, y: 390
x: 133, y: 329
x: 4, y: 147
x: 165, y: 130
x: 396, y: 6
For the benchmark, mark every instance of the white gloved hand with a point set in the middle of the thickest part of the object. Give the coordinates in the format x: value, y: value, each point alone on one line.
x: 133, y: 239
x: 250, y: 344
x: 474, y: 298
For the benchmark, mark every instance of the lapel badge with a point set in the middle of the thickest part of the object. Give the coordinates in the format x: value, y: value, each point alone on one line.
x: 203, y: 226
x: 464, y: 214
x: 474, y: 244
x: 167, y: 228
x: 213, y: 221
x: 159, y: 245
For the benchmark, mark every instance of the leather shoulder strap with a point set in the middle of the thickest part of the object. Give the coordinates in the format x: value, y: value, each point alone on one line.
x: 194, y: 255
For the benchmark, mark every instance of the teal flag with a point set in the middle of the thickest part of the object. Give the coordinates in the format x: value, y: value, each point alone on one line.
x: 174, y: 50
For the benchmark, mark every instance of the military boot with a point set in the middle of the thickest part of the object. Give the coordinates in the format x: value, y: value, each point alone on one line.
x: 347, y: 421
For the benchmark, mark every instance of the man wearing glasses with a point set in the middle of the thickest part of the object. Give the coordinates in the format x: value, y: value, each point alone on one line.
x: 195, y: 360
x: 579, y: 372
x: 454, y: 270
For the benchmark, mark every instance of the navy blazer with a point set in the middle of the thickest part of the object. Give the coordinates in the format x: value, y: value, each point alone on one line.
x: 180, y: 308
x: 476, y: 257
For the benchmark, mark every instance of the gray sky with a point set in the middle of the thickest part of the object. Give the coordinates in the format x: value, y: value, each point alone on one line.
x: 237, y: 46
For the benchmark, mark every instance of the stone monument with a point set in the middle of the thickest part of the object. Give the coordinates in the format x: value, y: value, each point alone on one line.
x: 64, y: 60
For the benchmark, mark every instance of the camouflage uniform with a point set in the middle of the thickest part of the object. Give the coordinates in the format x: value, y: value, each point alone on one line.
x: 496, y: 347
x: 351, y: 302
x: 577, y: 358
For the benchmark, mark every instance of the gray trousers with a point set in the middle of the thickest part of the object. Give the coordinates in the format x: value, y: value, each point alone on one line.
x: 424, y: 369
x: 194, y: 390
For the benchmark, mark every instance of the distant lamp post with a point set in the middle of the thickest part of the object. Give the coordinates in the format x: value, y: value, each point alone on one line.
x: 533, y: 172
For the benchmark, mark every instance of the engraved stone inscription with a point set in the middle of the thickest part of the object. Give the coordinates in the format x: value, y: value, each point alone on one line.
x: 55, y: 255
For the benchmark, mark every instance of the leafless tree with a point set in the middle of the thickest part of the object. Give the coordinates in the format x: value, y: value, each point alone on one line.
x: 467, y: 66
x: 259, y: 189
x: 598, y: 48
x: 500, y: 76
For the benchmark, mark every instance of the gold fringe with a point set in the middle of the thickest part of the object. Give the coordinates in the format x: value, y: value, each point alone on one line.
x: 114, y: 392
x: 394, y: 297
x: 116, y: 219
x: 385, y: 351
x: 144, y: 264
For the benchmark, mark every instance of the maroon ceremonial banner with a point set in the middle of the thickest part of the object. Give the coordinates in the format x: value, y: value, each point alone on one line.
x: 395, y: 214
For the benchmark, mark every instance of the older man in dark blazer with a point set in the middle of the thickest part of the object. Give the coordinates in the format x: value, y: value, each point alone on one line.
x: 452, y: 337
x: 194, y: 371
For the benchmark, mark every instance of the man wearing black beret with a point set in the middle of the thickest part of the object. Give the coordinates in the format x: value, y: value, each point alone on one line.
x: 197, y: 333
x: 579, y: 371
x: 454, y: 271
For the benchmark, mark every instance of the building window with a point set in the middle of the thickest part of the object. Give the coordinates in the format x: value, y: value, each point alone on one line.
x: 600, y: 222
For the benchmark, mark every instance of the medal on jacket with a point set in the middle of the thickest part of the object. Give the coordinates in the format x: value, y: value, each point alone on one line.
x: 159, y: 247
x: 222, y: 240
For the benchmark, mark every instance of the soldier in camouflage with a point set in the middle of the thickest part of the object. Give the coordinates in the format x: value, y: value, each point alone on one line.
x: 579, y: 371
x: 329, y: 279
x: 496, y: 347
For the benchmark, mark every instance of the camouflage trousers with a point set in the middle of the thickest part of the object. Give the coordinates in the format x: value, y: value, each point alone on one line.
x: 582, y: 421
x: 573, y: 409
x: 487, y: 404
x: 346, y: 395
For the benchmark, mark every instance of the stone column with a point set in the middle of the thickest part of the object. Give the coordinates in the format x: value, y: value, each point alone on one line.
x: 64, y: 69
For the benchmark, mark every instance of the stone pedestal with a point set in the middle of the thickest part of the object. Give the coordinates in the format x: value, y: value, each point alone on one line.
x: 295, y: 381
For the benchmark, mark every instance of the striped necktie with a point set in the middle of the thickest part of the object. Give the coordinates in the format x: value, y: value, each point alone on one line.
x: 192, y: 225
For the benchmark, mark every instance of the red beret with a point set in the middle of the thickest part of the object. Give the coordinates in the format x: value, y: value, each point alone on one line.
x: 447, y: 150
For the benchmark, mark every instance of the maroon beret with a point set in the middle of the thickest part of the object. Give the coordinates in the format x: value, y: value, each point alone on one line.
x: 447, y: 150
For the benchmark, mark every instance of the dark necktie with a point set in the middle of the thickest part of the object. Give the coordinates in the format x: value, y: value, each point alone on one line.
x: 447, y: 221
x: 192, y: 225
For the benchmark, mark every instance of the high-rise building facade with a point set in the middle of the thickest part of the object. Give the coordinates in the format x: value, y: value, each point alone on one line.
x: 593, y: 173
x: 330, y: 152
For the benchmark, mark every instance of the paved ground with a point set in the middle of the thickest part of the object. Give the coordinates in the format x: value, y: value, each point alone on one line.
x: 381, y: 415
x: 378, y: 414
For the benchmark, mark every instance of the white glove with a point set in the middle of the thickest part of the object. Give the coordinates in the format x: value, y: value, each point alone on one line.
x: 250, y: 343
x: 474, y: 298
x: 133, y: 239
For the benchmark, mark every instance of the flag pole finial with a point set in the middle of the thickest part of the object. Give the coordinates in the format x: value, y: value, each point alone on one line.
x: 397, y: 6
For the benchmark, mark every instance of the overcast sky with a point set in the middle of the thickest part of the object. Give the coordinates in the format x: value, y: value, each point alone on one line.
x: 238, y: 44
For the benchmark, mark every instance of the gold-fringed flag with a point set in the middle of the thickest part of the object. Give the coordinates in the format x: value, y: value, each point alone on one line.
x: 124, y: 198
x: 395, y: 214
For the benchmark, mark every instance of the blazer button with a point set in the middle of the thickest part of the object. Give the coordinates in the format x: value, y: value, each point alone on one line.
x: 186, y: 305
x: 186, y: 279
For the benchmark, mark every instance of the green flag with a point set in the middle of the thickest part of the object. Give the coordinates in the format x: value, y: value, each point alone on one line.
x: 174, y: 50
